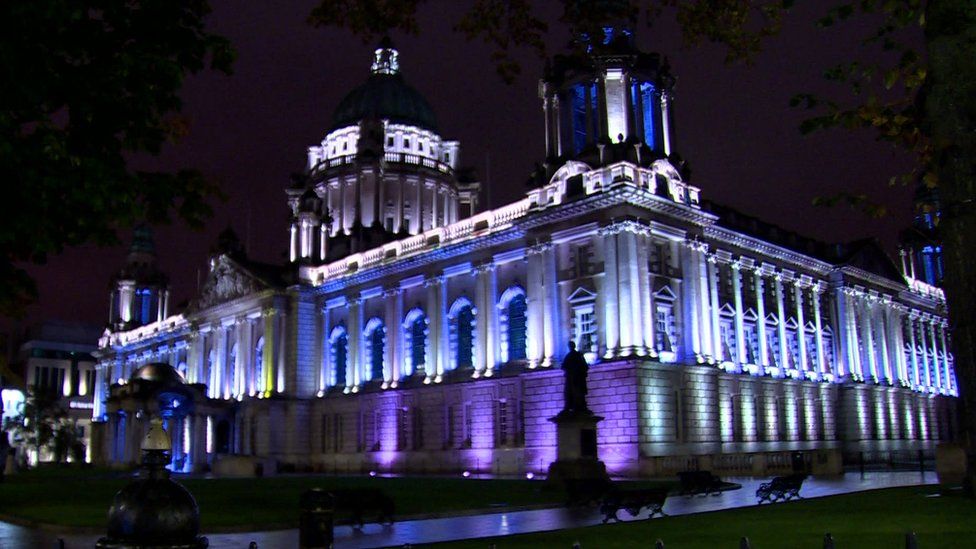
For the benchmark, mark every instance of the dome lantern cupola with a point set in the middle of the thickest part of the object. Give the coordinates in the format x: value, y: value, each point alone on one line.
x: 140, y: 291
x: 382, y: 172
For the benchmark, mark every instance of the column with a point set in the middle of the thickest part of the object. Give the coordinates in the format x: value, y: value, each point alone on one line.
x: 486, y: 301
x: 611, y: 316
x: 691, y: 298
x: 293, y: 242
x: 815, y: 292
x: 929, y: 382
x: 353, y: 366
x: 220, y: 370
x: 192, y: 358
x: 915, y: 378
x: 644, y: 289
x: 419, y: 209
x: 868, y: 340
x: 237, y: 380
x: 761, y: 321
x: 325, y: 353
x: 740, y: 337
x: 434, y: 311
x: 947, y: 372
x: 268, y: 357
x: 712, y: 308
x: 434, y: 207
x: 801, y: 330
x: 393, y: 309
x: 442, y: 329
x: 625, y: 287
x: 535, y: 306
x: 939, y: 383
x: 551, y: 304
x: 280, y: 363
x: 781, y: 327
x: 126, y: 293
x: 704, y: 309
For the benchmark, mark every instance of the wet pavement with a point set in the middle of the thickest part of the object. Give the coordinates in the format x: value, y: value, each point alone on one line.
x: 416, y: 532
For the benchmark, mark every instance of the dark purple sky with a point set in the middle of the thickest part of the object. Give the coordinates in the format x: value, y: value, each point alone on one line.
x: 250, y: 130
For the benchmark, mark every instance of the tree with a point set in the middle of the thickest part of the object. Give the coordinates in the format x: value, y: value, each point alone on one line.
x: 923, y: 101
x: 85, y: 88
x: 42, y: 425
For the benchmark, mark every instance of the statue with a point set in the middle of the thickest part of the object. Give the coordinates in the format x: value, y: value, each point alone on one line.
x: 574, y: 392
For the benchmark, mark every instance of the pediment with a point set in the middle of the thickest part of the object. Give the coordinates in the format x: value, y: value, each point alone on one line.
x: 581, y: 294
x: 227, y: 281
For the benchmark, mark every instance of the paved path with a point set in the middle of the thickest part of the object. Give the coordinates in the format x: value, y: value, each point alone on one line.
x: 495, y: 524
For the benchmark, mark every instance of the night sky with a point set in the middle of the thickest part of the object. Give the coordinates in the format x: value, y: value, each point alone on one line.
x: 249, y: 132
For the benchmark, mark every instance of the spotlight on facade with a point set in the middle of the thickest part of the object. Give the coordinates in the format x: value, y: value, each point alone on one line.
x: 372, y: 473
x: 530, y: 475
x: 466, y: 474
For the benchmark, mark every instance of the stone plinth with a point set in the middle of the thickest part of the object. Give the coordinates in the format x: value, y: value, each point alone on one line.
x: 576, y: 448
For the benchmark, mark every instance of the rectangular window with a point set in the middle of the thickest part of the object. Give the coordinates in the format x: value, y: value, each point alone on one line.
x: 468, y: 424
x: 324, y: 444
x: 449, y: 426
x: 502, y: 423
x: 401, y: 428
x: 418, y: 428
x: 337, y: 433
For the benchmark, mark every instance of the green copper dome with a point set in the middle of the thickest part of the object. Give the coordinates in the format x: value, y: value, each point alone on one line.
x: 385, y: 95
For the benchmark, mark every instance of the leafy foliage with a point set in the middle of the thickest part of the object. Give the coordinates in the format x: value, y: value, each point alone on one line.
x: 42, y: 425
x: 85, y: 87
x: 508, y: 25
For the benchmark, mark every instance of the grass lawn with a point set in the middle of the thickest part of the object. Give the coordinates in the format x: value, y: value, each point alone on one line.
x: 863, y: 520
x: 81, y: 498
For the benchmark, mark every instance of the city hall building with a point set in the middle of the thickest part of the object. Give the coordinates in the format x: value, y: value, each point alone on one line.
x: 413, y: 331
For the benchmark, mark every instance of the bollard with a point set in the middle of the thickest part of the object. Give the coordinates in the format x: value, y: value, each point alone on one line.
x: 828, y: 541
x: 861, y: 459
x: 315, y: 524
x: 659, y: 544
x: 576, y: 545
x: 744, y: 543
x: 921, y: 463
x: 252, y: 545
x: 910, y: 541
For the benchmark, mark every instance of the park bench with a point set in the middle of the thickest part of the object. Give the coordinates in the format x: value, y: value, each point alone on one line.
x: 633, y: 501
x: 354, y: 505
x: 781, y: 488
x: 703, y: 483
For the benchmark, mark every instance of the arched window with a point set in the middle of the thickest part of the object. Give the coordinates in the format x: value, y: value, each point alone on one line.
x: 512, y: 317
x: 258, y: 382
x: 461, y: 318
x: 375, y: 343
x: 339, y: 347
x: 415, y: 338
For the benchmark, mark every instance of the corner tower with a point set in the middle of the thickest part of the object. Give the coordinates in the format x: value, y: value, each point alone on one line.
x: 607, y: 102
x: 139, y: 291
x: 382, y: 172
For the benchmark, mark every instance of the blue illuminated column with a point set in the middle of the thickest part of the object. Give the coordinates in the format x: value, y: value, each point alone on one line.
x: 432, y: 351
x: 609, y: 292
x: 934, y: 346
x: 781, y: 325
x: 666, y: 122
x: 867, y: 338
x: 692, y: 300
x: 913, y: 350
x: 486, y: 290
x: 711, y: 265
x: 356, y: 355
x: 949, y: 383
x: 883, y: 340
x: 740, y: 337
x: 324, y: 350
x: 192, y: 356
x: 551, y: 305
x: 763, y: 358
x: 535, y: 303
x: 703, y: 301
x: 393, y: 302
x: 801, y: 331
x: 815, y: 294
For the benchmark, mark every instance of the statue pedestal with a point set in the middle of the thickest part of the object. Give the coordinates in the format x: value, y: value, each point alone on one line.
x: 576, y: 456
